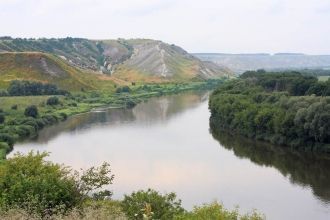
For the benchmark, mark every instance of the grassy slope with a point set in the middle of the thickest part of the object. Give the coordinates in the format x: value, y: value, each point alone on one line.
x: 48, y: 68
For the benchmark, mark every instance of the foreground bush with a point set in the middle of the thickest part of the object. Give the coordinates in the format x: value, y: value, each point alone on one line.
x: 151, y: 204
x: 216, y: 211
x: 32, y: 188
x: 43, y: 188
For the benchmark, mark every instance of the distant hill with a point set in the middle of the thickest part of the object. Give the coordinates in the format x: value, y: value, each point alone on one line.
x: 128, y: 60
x: 48, y: 68
x: 240, y: 63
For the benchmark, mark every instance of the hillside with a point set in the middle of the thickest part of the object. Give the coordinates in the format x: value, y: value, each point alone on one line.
x: 130, y: 60
x: 240, y: 63
x: 48, y: 68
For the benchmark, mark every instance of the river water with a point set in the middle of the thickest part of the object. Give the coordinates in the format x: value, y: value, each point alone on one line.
x: 166, y: 144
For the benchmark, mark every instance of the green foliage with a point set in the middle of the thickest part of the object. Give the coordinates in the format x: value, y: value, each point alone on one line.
x: 130, y: 103
x: 259, y: 106
x: 2, y: 118
x: 216, y: 211
x: 31, y: 111
x: 295, y: 83
x: 43, y: 188
x: 7, y: 138
x: 30, y: 183
x: 151, y: 204
x: 4, y: 149
x: 3, y: 93
x: 27, y: 88
x: 53, y: 101
x: 125, y: 89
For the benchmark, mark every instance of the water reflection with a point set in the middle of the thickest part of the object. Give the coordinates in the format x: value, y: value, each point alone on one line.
x: 155, y: 110
x: 304, y: 169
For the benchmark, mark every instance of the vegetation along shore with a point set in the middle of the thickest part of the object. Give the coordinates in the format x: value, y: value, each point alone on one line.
x: 285, y: 108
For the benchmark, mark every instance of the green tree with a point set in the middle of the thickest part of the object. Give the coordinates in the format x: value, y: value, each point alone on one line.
x: 2, y: 118
x: 31, y: 111
x: 43, y: 188
x: 53, y: 100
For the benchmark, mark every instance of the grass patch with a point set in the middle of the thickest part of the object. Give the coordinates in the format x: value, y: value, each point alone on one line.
x: 323, y: 78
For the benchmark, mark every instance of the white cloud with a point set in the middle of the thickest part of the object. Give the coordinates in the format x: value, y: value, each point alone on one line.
x: 205, y: 25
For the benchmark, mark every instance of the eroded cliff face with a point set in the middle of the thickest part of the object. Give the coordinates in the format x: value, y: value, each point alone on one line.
x: 132, y: 60
x: 159, y: 59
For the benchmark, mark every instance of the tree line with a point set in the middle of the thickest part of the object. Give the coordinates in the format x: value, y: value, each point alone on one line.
x: 30, y: 88
x: 285, y: 108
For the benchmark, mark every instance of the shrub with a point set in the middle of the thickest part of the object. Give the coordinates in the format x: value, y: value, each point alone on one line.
x: 4, y: 150
x: 2, y: 118
x: 9, y: 139
x: 123, y: 89
x: 3, y: 93
x: 73, y: 104
x: 32, y: 184
x: 50, y: 119
x: 63, y: 115
x: 130, y: 104
x: 31, y: 122
x: 53, y: 101
x: 216, y: 210
x: 31, y: 111
x: 151, y: 204
x: 5, y: 147
x: 40, y: 122
x: 25, y: 130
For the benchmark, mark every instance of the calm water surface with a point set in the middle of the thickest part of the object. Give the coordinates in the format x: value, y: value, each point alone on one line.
x: 166, y: 144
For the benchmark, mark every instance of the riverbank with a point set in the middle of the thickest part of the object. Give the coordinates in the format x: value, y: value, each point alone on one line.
x: 286, y: 109
x: 17, y: 126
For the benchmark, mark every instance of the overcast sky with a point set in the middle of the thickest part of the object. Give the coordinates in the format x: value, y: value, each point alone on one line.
x: 229, y: 26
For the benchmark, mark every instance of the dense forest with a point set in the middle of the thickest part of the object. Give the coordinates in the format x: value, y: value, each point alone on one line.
x: 285, y: 108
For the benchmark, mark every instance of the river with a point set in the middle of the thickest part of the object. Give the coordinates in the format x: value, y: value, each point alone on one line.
x: 166, y: 144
